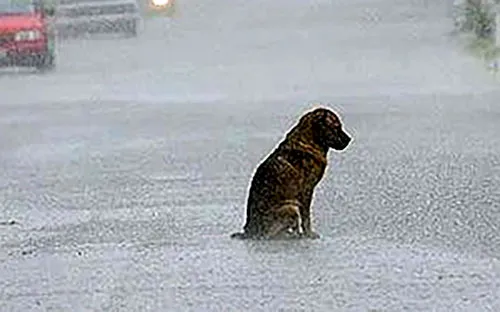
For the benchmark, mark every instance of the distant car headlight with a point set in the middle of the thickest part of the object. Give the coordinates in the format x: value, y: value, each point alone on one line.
x: 160, y: 2
x: 28, y: 35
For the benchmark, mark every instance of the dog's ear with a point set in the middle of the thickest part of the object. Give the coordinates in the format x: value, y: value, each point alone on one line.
x: 315, y: 117
x: 322, y: 119
x: 330, y: 120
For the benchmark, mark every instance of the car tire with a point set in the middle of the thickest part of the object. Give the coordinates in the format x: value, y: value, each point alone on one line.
x: 46, y: 62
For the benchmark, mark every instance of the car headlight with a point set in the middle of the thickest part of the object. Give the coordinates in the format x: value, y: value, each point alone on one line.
x: 28, y: 35
x: 160, y: 2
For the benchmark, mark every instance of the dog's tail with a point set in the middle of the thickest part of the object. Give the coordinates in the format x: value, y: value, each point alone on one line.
x: 239, y: 235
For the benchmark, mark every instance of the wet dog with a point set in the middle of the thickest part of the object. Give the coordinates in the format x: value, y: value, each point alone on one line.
x: 281, y: 190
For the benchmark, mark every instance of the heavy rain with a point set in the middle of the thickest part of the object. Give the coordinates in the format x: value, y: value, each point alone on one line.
x: 126, y: 158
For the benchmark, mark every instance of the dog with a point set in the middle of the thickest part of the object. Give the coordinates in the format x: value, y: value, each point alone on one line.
x: 282, y: 187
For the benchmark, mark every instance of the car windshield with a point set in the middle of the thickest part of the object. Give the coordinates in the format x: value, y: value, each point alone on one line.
x: 80, y: 1
x: 16, y: 6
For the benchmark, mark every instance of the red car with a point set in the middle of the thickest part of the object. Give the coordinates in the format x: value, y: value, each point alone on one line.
x: 26, y: 37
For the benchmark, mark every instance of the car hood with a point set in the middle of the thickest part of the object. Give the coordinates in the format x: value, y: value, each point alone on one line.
x: 9, y: 23
x: 84, y: 3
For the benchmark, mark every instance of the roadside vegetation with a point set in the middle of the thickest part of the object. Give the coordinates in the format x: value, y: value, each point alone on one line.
x: 476, y: 19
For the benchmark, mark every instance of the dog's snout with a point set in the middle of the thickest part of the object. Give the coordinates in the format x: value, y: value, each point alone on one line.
x: 344, y: 140
x: 347, y: 138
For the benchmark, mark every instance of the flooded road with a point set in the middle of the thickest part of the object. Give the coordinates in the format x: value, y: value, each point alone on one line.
x: 127, y: 168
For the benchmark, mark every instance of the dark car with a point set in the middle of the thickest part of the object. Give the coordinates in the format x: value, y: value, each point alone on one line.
x: 75, y: 17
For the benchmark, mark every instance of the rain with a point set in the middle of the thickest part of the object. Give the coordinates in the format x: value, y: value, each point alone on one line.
x: 125, y: 160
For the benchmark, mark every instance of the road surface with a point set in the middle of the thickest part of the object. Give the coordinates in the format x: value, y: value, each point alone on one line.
x: 126, y: 169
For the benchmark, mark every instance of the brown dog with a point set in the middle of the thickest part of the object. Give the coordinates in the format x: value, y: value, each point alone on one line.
x: 280, y: 195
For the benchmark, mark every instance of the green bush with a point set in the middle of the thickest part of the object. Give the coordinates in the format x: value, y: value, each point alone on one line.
x: 479, y: 18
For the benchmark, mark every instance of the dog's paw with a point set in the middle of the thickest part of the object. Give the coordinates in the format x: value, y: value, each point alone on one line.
x: 238, y: 236
x: 311, y: 235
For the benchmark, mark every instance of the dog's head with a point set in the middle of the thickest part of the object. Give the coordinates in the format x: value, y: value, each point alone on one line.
x: 326, y: 128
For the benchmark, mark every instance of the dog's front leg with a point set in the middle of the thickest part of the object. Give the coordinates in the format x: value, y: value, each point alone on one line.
x: 305, y: 212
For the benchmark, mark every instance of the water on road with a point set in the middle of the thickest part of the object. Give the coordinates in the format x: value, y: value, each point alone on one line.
x: 127, y: 168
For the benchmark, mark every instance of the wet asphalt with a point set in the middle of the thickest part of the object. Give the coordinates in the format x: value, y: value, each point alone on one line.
x: 124, y: 172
